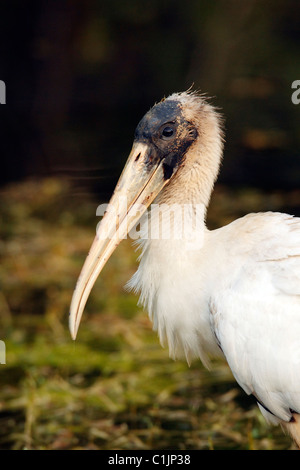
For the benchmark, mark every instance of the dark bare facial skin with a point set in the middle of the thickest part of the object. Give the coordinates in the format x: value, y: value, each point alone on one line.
x: 167, y: 133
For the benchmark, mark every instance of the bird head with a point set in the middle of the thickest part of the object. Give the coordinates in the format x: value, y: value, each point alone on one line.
x: 165, y: 144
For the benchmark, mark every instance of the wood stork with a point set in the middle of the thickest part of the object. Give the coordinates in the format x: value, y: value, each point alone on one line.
x: 236, y: 291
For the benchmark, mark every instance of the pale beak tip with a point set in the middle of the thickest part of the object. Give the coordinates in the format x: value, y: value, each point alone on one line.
x: 72, y: 327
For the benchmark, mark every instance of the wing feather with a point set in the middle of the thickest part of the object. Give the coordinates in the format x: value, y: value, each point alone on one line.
x: 256, y: 313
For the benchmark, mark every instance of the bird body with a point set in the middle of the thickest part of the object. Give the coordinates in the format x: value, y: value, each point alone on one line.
x: 237, y: 296
x: 233, y: 291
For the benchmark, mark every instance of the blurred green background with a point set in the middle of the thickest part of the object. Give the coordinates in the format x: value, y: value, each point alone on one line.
x: 79, y: 76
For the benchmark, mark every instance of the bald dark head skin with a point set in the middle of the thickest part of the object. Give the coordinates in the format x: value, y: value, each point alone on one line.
x: 167, y: 133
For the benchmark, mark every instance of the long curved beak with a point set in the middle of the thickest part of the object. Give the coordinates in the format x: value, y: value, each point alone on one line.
x: 140, y: 182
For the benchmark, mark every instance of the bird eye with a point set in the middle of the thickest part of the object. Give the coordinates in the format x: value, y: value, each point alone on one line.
x: 167, y: 131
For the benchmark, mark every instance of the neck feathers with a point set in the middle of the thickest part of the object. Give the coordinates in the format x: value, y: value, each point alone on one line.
x: 193, y: 183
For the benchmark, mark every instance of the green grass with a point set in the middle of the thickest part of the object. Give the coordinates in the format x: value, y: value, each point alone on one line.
x: 114, y: 387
